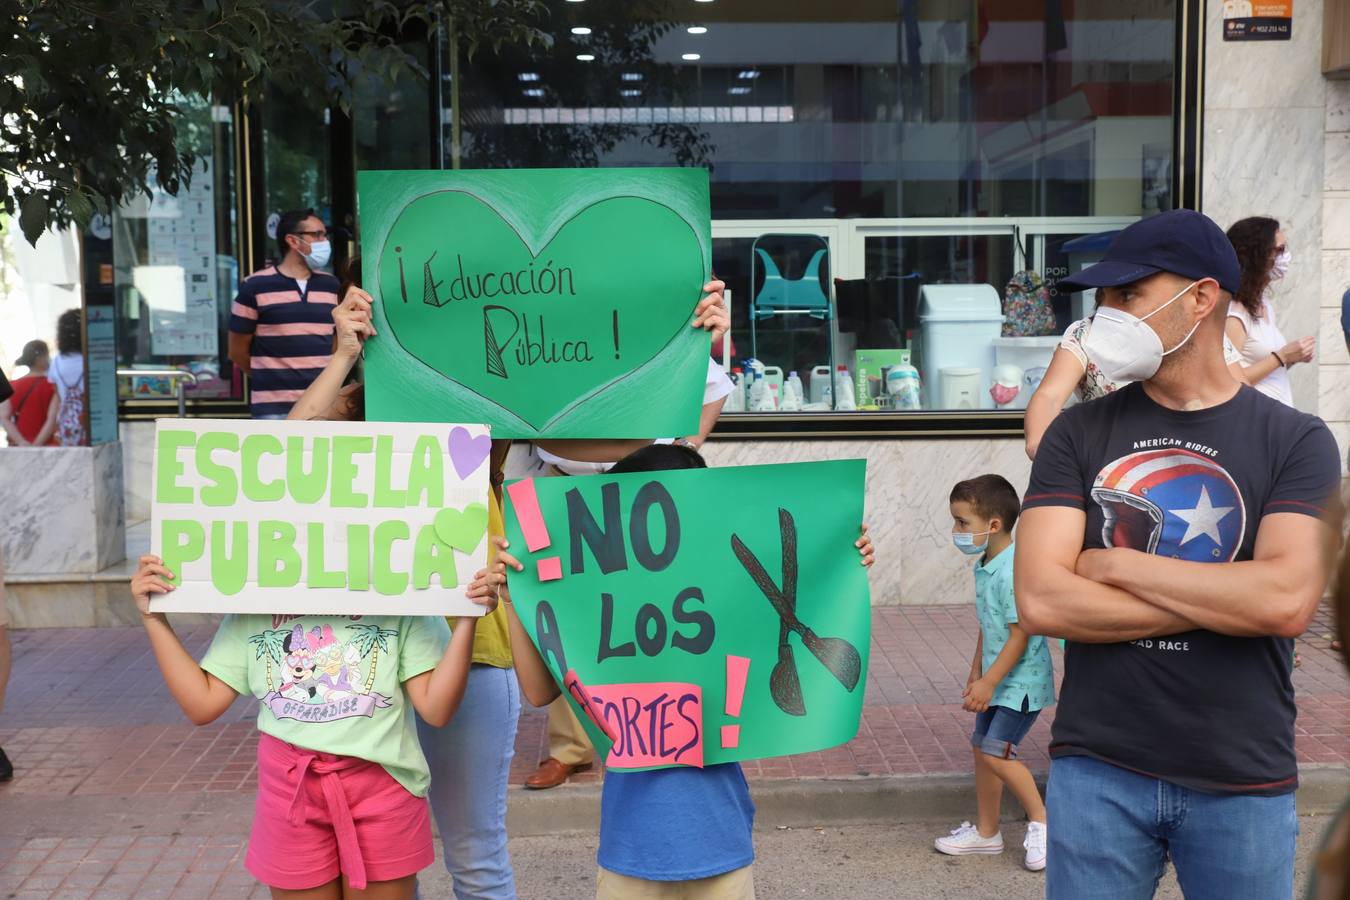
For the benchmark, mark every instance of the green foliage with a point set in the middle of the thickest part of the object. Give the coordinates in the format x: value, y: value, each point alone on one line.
x: 91, y: 91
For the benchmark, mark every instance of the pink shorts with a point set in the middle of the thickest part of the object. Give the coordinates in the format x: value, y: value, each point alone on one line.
x: 319, y: 816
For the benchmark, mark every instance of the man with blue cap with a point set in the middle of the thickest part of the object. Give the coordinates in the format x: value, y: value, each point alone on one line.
x: 1175, y: 534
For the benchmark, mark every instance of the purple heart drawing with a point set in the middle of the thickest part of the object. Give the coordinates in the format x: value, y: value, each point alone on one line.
x: 468, y: 452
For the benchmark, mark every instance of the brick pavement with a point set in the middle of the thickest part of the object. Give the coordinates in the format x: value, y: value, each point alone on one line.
x: 118, y: 796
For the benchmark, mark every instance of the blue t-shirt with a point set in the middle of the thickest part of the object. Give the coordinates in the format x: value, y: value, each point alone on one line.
x: 677, y: 824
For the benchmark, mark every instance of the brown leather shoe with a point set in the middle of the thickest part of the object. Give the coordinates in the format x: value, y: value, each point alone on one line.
x: 552, y: 773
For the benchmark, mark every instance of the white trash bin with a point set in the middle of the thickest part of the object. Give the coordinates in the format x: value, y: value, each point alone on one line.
x: 957, y: 327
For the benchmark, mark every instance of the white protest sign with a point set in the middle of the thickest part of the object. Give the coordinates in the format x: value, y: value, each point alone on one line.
x: 338, y: 518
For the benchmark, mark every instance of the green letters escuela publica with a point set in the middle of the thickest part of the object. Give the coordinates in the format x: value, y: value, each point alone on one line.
x: 319, y: 472
x: 315, y: 467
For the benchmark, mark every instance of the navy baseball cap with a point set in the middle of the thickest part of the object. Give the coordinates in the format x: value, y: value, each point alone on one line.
x: 1182, y: 241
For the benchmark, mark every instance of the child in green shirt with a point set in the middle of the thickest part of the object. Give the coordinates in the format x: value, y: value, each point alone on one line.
x: 342, y: 781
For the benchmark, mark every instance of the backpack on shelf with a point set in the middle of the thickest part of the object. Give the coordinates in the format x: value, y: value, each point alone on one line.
x: 1026, y: 307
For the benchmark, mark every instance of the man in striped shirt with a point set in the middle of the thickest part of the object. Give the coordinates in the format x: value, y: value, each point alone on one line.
x: 281, y: 324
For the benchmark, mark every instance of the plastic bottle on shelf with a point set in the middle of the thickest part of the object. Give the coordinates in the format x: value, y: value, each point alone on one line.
x: 843, y: 384
x: 760, y: 399
x: 792, y: 400
x: 736, y: 399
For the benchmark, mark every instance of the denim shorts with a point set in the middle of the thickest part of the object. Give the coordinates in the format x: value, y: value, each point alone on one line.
x: 999, y: 729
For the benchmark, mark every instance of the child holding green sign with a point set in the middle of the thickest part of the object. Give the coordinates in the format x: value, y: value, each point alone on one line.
x: 342, y: 782
x: 672, y: 832
x: 470, y: 757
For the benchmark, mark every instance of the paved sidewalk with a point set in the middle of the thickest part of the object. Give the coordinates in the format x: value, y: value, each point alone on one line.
x: 116, y: 795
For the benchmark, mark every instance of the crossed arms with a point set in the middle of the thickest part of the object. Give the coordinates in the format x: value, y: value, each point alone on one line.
x: 1106, y: 596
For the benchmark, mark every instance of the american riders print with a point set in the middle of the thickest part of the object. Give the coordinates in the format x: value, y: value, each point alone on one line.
x: 1171, y: 502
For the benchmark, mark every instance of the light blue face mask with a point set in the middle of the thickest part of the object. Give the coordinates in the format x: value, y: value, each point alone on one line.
x: 320, y: 252
x: 965, y: 542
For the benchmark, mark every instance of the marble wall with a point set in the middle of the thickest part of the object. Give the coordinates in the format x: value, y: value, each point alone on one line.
x: 138, y: 447
x: 1265, y: 118
x: 64, y: 509
x: 1334, y: 389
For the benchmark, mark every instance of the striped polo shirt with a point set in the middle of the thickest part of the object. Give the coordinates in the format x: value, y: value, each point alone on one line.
x: 292, y: 334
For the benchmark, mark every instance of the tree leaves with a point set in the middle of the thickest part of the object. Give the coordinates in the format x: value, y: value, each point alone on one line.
x: 91, y: 90
x: 33, y: 216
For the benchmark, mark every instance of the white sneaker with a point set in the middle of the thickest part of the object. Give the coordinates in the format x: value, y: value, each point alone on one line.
x: 966, y: 840
x: 1035, y: 846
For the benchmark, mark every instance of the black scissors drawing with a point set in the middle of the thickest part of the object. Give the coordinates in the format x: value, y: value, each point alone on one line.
x: 835, y: 654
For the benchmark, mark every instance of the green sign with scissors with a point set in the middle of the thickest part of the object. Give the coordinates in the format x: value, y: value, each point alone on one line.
x: 699, y: 616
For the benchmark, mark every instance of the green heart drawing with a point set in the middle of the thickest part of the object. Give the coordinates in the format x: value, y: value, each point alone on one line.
x: 537, y: 331
x: 462, y: 529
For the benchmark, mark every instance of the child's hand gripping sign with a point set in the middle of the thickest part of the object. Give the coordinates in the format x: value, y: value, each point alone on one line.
x: 699, y: 616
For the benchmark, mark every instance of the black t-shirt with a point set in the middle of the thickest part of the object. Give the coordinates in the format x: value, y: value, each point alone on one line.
x: 5, y: 390
x: 1204, y: 710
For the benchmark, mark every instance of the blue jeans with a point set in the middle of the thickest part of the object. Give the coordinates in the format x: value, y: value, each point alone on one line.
x: 999, y: 729
x: 470, y: 759
x: 1111, y: 832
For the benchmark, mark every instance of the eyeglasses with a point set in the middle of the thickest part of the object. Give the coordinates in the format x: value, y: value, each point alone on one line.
x: 321, y: 235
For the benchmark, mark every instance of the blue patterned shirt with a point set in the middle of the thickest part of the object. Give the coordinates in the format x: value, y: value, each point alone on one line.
x: 1033, y: 678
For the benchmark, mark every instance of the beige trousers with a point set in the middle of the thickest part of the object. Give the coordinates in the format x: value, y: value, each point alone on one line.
x: 735, y: 885
x: 567, y: 740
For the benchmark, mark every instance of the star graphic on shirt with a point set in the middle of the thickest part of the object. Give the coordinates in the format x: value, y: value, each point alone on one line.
x: 1203, y: 519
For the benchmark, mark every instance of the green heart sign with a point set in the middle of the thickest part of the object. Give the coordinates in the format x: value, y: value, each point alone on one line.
x: 542, y: 302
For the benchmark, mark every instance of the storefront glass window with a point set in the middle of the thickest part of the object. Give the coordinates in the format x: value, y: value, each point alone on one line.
x: 389, y: 121
x: 297, y: 172
x: 175, y: 272
x: 937, y: 151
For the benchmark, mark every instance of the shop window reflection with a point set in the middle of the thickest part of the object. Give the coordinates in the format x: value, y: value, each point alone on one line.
x: 175, y: 271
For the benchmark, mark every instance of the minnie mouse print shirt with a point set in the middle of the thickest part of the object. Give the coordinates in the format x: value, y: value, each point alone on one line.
x: 334, y: 683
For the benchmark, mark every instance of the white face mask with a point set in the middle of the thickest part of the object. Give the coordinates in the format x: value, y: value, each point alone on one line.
x: 1280, y: 267
x: 319, y: 254
x: 1126, y: 349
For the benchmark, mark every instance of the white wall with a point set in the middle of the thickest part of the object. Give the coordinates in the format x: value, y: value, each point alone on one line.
x: 1265, y: 109
x: 1334, y: 375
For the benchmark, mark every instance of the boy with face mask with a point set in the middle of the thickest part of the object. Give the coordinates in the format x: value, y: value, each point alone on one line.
x: 1011, y: 678
x: 1175, y: 533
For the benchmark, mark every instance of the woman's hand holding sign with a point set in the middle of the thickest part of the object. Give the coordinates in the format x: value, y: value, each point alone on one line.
x: 711, y: 313
x: 864, y: 545
x: 352, y: 318
x: 489, y: 585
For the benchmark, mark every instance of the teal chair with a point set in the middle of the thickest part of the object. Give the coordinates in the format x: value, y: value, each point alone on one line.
x: 780, y: 296
x: 800, y: 295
